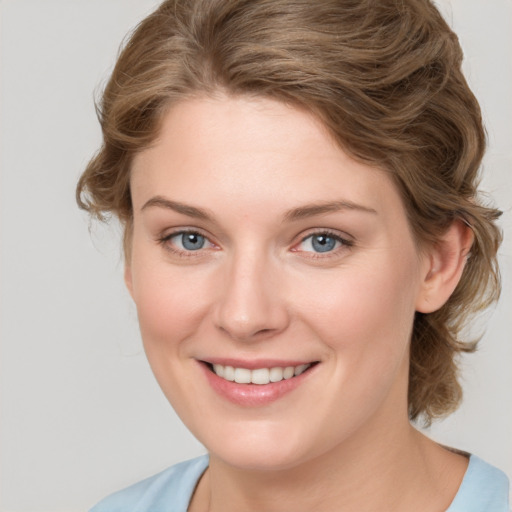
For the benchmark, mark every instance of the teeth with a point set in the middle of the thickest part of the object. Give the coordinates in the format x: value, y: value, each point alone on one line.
x: 229, y: 373
x: 289, y: 372
x: 259, y: 375
x: 301, y: 369
x: 276, y: 374
x: 218, y: 369
x: 242, y: 375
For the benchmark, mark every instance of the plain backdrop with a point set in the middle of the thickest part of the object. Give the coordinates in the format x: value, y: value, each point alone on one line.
x: 81, y: 414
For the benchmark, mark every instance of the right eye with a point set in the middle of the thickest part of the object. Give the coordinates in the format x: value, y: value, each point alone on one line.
x: 186, y: 242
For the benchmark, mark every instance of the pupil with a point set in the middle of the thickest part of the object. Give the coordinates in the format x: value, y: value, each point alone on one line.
x: 322, y: 243
x: 192, y: 241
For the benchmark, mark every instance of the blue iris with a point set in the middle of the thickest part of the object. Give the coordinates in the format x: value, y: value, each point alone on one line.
x: 323, y: 243
x: 192, y: 241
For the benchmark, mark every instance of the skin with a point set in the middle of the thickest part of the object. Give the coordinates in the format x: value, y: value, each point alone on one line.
x: 257, y: 289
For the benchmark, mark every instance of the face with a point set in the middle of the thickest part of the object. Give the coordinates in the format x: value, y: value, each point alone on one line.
x: 276, y: 281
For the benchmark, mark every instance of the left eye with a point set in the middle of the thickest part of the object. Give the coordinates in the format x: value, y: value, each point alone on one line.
x: 189, y: 241
x: 320, y: 242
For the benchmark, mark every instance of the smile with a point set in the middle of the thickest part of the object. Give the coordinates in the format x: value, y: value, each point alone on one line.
x: 259, y: 376
x: 256, y: 383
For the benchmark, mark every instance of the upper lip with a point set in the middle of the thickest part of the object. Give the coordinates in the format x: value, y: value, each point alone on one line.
x: 253, y: 364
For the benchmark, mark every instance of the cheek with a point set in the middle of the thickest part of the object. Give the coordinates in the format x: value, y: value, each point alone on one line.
x: 365, y: 311
x: 170, y: 303
x: 364, y: 317
x: 171, y: 309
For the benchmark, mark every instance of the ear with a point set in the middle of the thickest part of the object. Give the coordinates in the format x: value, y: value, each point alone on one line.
x: 128, y: 277
x: 445, y: 262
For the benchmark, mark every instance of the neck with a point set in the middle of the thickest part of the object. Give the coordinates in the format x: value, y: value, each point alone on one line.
x: 396, y: 470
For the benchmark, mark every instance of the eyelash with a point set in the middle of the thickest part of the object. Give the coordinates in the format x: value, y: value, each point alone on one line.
x: 345, y: 243
x: 164, y: 242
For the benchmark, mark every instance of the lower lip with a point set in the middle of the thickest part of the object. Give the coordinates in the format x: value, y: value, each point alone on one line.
x: 253, y: 395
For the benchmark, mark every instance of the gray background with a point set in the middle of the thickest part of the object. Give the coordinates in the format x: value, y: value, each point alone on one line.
x: 80, y: 412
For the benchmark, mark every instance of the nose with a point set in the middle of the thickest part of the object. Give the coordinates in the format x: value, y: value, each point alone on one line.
x: 251, y: 305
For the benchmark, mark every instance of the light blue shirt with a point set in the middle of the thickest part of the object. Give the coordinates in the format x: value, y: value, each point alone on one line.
x: 483, y: 489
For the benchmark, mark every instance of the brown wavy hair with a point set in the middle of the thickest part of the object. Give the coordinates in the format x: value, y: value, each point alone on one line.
x: 384, y: 77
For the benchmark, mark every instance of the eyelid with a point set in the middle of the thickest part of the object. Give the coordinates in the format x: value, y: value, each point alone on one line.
x: 165, y: 238
x: 166, y: 235
x: 340, y: 235
x: 346, y: 242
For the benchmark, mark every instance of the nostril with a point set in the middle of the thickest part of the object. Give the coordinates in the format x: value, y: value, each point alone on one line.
x: 242, y: 332
x: 265, y: 332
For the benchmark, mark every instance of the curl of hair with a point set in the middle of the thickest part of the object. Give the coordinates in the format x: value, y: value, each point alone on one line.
x: 384, y: 77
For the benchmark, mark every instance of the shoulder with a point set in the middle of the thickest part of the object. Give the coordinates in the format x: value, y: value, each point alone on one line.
x: 484, y: 488
x: 168, y: 491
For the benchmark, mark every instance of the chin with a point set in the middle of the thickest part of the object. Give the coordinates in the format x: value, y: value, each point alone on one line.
x: 264, y: 447
x: 258, y: 458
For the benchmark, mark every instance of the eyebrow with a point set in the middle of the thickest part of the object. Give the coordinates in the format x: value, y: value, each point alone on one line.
x: 310, y: 210
x: 185, y: 209
x: 302, y: 212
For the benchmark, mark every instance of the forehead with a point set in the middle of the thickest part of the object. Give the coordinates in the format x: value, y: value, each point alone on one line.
x: 255, y: 149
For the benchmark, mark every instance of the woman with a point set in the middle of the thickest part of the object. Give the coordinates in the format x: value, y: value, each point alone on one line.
x: 304, y: 243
